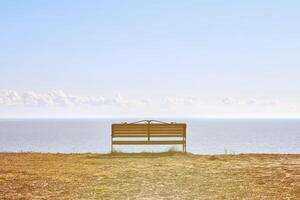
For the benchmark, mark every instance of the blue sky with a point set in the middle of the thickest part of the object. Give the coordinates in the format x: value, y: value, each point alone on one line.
x: 235, y: 52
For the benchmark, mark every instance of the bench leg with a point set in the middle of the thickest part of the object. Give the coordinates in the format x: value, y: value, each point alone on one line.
x: 111, y: 146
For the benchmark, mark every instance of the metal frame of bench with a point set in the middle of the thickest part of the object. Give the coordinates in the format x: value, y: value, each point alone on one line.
x: 149, y: 129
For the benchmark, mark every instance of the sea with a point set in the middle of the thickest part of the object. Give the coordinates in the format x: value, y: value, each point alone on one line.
x: 204, y: 135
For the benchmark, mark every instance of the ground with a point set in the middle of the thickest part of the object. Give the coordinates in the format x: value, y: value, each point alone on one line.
x: 148, y: 176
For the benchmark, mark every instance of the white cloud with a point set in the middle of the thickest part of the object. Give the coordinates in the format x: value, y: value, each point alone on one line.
x: 60, y: 98
x: 60, y: 102
x: 228, y: 101
x: 9, y: 98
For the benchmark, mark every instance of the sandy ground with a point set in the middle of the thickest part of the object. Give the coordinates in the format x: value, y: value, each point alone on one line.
x: 148, y: 176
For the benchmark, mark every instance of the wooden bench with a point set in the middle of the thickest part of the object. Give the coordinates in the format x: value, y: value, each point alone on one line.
x: 149, y: 131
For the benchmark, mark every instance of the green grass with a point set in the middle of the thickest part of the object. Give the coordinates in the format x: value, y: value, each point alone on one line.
x: 166, y: 175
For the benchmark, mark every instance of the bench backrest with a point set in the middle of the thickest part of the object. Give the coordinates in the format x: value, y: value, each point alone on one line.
x: 148, y: 130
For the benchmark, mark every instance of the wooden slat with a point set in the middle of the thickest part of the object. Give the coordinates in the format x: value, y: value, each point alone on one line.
x: 145, y: 126
x: 115, y: 129
x: 156, y: 130
x: 151, y: 131
x: 129, y: 126
x: 166, y: 132
x: 130, y: 132
x: 151, y: 136
x: 123, y: 135
x: 153, y: 125
x: 166, y: 129
x: 170, y: 124
x: 164, y: 135
x: 147, y: 142
x: 128, y: 136
x: 167, y: 126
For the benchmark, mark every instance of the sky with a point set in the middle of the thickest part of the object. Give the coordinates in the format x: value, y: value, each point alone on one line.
x: 149, y: 58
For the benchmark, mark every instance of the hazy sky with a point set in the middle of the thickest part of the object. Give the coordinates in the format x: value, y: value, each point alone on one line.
x: 183, y: 58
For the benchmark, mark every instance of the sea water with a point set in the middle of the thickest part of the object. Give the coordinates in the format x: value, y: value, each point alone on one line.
x: 204, y: 136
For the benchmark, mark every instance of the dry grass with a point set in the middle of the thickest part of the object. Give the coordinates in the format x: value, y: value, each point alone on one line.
x: 148, y: 176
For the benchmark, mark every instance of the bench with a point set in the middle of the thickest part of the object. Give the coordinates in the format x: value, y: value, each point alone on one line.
x: 149, y: 132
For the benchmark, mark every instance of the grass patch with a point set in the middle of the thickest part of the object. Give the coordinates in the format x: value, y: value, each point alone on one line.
x: 171, y: 175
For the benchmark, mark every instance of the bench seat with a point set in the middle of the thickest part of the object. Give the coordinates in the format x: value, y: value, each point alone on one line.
x: 147, y: 131
x: 148, y: 142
